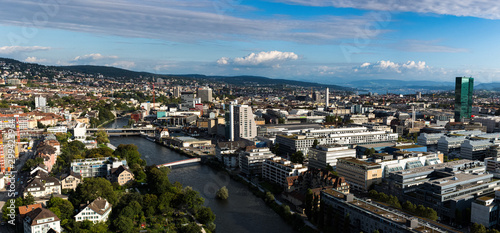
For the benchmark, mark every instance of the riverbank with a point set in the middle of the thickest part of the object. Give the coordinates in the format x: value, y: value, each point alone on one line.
x: 293, y: 219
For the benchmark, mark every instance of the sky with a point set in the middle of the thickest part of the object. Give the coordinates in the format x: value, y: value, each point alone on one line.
x: 331, y: 42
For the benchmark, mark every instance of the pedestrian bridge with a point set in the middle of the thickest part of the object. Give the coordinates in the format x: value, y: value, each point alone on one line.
x: 123, y: 131
x: 181, y: 162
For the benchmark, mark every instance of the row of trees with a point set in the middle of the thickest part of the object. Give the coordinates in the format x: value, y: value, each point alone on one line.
x: 419, y: 210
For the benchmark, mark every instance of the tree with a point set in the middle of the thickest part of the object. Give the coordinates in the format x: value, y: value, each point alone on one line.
x: 315, y: 143
x: 91, y: 189
x: 205, y: 215
x: 157, y: 180
x: 64, y: 206
x: 29, y: 199
x: 269, y: 197
x: 101, y: 137
x: 477, y: 228
x: 222, y: 193
x: 297, y: 157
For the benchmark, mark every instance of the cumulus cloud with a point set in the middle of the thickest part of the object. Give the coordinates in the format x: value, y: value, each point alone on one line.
x: 384, y: 66
x: 34, y: 60
x: 223, y: 61
x: 489, y: 9
x: 270, y: 58
x: 93, y: 57
x: 21, y: 49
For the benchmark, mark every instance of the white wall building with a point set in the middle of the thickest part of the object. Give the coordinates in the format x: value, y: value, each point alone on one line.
x: 40, y: 101
x: 96, y: 211
x: 251, y: 161
x: 326, y: 155
x: 41, y: 220
x: 277, y: 170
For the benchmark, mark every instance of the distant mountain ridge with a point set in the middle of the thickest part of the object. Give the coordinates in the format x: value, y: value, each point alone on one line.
x: 235, y: 80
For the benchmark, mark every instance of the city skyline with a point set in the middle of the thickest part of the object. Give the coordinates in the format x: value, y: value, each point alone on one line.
x: 321, y: 41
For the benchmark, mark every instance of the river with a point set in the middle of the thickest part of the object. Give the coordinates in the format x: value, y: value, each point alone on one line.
x: 242, y: 212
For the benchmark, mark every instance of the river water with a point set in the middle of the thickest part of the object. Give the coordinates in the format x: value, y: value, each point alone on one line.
x: 242, y: 212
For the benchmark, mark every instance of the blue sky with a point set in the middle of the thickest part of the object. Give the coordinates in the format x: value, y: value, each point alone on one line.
x: 323, y: 41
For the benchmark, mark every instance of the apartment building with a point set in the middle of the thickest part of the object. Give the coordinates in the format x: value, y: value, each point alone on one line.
x: 361, y: 175
x: 327, y: 155
x: 277, y: 169
x: 251, y: 162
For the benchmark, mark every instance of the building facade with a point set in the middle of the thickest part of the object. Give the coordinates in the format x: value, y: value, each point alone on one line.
x: 464, y: 87
x: 277, y: 169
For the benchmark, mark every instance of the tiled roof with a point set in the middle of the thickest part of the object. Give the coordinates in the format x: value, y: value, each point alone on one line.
x: 41, y: 213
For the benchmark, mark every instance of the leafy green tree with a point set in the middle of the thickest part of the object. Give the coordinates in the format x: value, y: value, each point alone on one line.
x: 65, y: 207
x: 309, y: 202
x: 297, y: 157
x: 315, y: 143
x: 101, y: 137
x: 222, y: 193
x: 205, y: 215
x: 91, y: 189
x: 269, y: 197
x: 29, y: 199
x: 157, y: 180
x: 6, y: 211
x: 477, y: 228
x: 99, y: 152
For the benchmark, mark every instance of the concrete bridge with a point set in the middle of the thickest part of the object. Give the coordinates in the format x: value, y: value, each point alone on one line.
x: 181, y: 162
x: 124, y: 131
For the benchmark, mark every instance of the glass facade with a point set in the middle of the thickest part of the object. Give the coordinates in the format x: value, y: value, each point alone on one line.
x: 463, y: 97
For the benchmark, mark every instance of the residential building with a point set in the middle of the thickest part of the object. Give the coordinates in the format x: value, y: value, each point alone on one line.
x: 42, y: 185
x: 70, y: 181
x: 80, y: 131
x: 228, y: 152
x: 41, y: 220
x: 464, y: 87
x: 122, y: 175
x: 97, y: 211
x: 277, y: 169
x: 251, y: 162
x: 327, y: 155
x: 96, y: 167
x: 361, y: 175
x: 40, y: 101
x: 241, y: 123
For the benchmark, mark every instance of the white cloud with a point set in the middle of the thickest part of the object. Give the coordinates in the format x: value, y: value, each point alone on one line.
x: 489, y: 9
x: 270, y: 58
x: 21, y: 49
x: 93, y: 57
x: 123, y: 64
x: 223, y: 61
x: 426, y: 47
x: 34, y: 60
x: 177, y: 20
x: 389, y: 66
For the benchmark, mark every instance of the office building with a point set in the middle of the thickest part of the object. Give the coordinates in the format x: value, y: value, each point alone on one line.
x: 327, y: 97
x: 368, y: 217
x: 327, y: 155
x: 361, y: 175
x: 205, y: 94
x: 177, y: 92
x: 485, y: 210
x: 302, y: 140
x: 464, y: 87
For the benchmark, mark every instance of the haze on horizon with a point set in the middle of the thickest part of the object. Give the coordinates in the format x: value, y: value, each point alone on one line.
x: 321, y: 41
